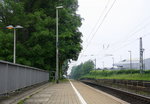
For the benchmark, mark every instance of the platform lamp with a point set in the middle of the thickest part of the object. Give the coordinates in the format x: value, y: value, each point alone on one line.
x: 14, y: 27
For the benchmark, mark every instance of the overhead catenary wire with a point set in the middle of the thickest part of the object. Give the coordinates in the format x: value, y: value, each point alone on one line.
x: 96, y: 24
x: 101, y: 23
x: 131, y: 35
x: 144, y: 35
x: 137, y: 29
x: 98, y: 20
x: 122, y: 42
x: 99, y: 26
x: 147, y: 34
x: 132, y: 41
x: 88, y: 37
x: 129, y: 38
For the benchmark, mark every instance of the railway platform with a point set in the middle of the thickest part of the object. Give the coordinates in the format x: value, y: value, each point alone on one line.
x: 70, y: 92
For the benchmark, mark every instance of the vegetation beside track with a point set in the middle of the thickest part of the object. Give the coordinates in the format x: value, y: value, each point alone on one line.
x: 119, y: 74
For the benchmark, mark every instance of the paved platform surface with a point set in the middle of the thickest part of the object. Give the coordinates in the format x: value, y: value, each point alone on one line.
x: 64, y: 93
x: 61, y: 93
x: 13, y: 99
x: 94, y: 96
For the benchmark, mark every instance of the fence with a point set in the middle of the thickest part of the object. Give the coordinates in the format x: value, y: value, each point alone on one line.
x: 15, y: 76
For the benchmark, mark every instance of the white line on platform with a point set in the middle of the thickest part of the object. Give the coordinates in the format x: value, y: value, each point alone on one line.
x: 78, y: 94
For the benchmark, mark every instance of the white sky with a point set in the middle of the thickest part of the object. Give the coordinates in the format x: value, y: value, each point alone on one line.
x: 119, y: 30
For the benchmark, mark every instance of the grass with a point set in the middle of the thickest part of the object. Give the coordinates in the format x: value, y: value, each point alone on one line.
x: 118, y: 75
x: 64, y: 80
x: 21, y: 102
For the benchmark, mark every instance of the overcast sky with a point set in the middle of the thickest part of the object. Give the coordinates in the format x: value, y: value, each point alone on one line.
x: 113, y: 27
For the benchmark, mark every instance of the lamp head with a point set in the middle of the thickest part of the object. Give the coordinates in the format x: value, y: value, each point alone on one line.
x: 10, y: 27
x: 58, y: 7
x: 18, y: 27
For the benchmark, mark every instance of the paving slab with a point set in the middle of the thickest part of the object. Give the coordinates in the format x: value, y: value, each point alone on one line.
x: 25, y: 94
x: 61, y: 93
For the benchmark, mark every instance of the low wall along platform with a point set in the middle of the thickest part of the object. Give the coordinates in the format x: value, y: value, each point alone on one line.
x: 15, y: 76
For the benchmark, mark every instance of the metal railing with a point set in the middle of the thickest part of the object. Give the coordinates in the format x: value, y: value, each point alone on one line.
x: 15, y: 76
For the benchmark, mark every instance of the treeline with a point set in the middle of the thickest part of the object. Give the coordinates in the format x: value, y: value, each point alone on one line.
x: 86, y: 70
x: 36, y: 42
x: 80, y: 70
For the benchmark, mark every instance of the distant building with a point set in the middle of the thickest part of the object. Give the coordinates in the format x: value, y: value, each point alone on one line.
x: 147, y: 63
x: 125, y: 64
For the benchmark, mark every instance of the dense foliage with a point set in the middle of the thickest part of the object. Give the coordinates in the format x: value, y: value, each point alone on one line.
x: 36, y: 41
x: 130, y: 74
x: 82, y: 69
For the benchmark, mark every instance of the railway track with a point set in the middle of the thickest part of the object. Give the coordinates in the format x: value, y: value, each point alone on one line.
x: 124, y: 95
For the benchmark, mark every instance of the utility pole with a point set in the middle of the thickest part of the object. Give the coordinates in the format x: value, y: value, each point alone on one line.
x: 141, y: 56
x: 130, y: 59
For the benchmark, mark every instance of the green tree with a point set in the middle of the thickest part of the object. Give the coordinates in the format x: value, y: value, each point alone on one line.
x: 82, y: 69
x: 36, y: 41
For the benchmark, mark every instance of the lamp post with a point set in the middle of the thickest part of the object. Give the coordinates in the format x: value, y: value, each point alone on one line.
x: 57, y: 51
x: 130, y: 59
x: 16, y: 27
